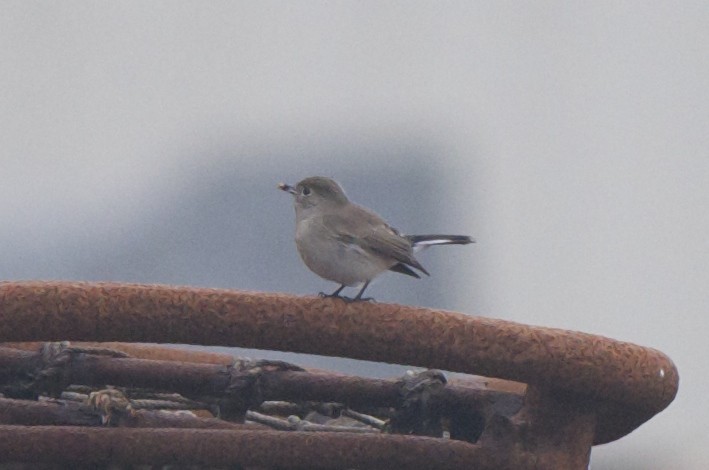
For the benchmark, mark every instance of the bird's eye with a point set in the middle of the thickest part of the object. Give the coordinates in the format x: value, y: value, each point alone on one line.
x: 306, y: 191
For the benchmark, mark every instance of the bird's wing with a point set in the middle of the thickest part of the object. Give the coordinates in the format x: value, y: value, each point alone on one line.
x: 387, y: 242
x: 372, y: 234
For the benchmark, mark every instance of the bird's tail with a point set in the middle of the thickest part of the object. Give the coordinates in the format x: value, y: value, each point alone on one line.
x: 423, y: 241
x: 420, y: 242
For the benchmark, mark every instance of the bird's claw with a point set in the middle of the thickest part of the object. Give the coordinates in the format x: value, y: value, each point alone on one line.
x: 347, y: 300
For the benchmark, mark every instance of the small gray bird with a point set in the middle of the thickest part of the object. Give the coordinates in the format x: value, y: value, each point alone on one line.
x: 346, y: 243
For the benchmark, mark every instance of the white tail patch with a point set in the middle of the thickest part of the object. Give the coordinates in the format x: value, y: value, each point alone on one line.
x: 423, y: 244
x: 436, y: 241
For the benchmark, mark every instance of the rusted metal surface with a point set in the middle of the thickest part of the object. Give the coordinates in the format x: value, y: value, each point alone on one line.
x: 264, y: 449
x: 556, y: 393
x: 196, y: 380
x: 557, y: 432
x: 14, y: 362
x: 63, y: 413
x: 501, y: 422
x: 140, y: 351
x: 640, y: 379
x: 32, y: 413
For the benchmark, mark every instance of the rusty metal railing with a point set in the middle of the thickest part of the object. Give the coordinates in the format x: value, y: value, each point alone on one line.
x: 580, y: 389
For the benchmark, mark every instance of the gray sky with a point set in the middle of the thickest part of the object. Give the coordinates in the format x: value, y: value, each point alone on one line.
x: 142, y: 141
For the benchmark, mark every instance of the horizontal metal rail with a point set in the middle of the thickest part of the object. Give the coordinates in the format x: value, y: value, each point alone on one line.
x: 562, y: 391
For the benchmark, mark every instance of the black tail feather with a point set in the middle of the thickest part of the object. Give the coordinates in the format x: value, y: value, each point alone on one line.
x: 403, y: 269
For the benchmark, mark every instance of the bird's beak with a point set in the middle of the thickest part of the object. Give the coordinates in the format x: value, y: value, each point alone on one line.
x: 286, y: 187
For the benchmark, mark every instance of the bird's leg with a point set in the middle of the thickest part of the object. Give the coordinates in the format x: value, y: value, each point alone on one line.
x: 334, y: 294
x: 358, y: 297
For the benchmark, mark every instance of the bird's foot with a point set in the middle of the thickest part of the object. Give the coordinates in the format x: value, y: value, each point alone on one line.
x: 347, y: 300
x: 323, y: 295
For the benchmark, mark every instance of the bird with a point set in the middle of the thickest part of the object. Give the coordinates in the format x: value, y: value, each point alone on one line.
x: 349, y: 244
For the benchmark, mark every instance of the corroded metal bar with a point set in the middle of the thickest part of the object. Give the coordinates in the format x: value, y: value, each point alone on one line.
x: 189, y: 379
x: 31, y: 413
x: 349, y: 390
x: 643, y: 379
x: 63, y: 413
x: 14, y: 362
x: 358, y: 391
x: 81, y: 446
x: 557, y: 430
x: 140, y: 351
x: 157, y: 352
x: 195, y: 379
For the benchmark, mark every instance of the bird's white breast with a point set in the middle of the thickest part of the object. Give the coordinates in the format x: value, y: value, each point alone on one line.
x: 335, y: 260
